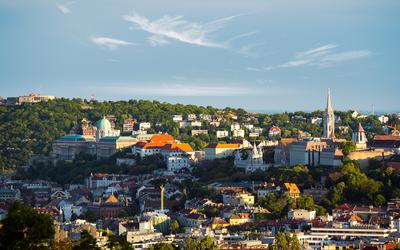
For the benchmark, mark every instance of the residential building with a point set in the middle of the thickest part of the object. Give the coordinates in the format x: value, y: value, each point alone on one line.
x: 191, y: 117
x: 242, y: 198
x: 144, y: 125
x: 199, y: 132
x: 292, y: 190
x: 301, y: 214
x: 238, y: 133
x: 383, y: 119
x: 316, y: 120
x: 153, y: 146
x: 177, y: 118
x: 222, y: 133
x: 128, y: 125
x: 235, y: 126
x: 220, y: 150
x: 274, y: 132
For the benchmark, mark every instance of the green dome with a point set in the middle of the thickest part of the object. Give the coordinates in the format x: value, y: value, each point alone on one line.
x: 103, y: 124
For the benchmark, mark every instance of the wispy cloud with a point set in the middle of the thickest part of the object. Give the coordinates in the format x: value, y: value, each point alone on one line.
x: 321, y: 57
x: 64, y: 7
x: 108, y: 42
x: 178, y: 29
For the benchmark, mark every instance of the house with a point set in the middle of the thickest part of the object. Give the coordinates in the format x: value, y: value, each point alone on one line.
x: 386, y: 142
x: 238, y: 133
x: 217, y: 223
x: 238, y: 219
x: 128, y: 125
x: 235, y: 126
x: 191, y: 117
x: 222, y: 133
x: 177, y: 118
x: 301, y: 214
x: 274, y: 132
x: 199, y: 132
x: 144, y: 125
x: 292, y: 190
x: 153, y: 146
x: 383, y: 119
x: 316, y: 120
x: 242, y: 198
x: 220, y: 150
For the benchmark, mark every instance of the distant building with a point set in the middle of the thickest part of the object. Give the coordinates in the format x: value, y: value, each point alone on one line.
x: 31, y: 98
x: 292, y: 190
x: 238, y: 133
x: 386, y: 142
x: 301, y: 214
x: 222, y: 133
x: 144, y: 125
x: 235, y: 126
x: 199, y: 132
x: 105, y: 129
x: 191, y: 117
x: 253, y: 162
x: 177, y: 118
x: 383, y: 119
x: 220, y: 150
x: 316, y: 120
x: 128, y: 125
x: 274, y: 132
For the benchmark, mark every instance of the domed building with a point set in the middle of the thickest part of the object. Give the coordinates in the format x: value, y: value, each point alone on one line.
x: 104, y: 129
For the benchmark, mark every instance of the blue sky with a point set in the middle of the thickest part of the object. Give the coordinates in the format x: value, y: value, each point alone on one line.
x: 254, y: 54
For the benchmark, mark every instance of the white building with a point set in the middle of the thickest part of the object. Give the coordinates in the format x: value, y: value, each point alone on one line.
x: 104, y: 129
x: 305, y: 152
x: 249, y: 126
x: 301, y: 214
x: 316, y: 120
x: 257, y: 130
x: 199, y: 132
x: 274, y: 131
x: 222, y: 133
x: 254, y: 161
x: 177, y: 118
x: 238, y: 133
x: 144, y: 125
x: 177, y: 163
x: 235, y: 126
x: 220, y: 150
x: 191, y: 117
x: 383, y: 119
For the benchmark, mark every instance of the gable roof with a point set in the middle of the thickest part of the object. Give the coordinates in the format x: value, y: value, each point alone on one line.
x: 224, y: 145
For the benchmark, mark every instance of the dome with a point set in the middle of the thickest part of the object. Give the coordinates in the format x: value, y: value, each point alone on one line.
x: 103, y: 124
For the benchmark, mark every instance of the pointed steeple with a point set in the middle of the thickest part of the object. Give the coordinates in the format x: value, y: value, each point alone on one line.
x: 329, y: 103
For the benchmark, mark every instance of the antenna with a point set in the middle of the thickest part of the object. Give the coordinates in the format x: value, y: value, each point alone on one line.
x: 373, y: 109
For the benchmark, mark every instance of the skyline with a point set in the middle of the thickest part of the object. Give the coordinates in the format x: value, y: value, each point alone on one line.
x: 255, y: 55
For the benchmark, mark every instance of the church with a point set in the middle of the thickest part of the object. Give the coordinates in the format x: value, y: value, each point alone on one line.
x: 253, y: 162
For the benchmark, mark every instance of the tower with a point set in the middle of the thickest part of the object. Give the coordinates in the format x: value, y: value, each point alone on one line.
x: 329, y: 119
x: 359, y: 138
x: 162, y: 197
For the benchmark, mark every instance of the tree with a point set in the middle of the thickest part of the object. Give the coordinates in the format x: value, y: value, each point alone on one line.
x: 347, y: 147
x: 284, y: 241
x: 174, y: 227
x: 163, y: 246
x: 87, y: 242
x: 117, y: 243
x: 24, y: 228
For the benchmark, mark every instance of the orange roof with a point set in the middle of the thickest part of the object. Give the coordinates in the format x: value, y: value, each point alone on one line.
x: 223, y: 145
x: 185, y: 147
x: 162, y: 139
x: 274, y: 128
x: 292, y: 187
x: 111, y: 199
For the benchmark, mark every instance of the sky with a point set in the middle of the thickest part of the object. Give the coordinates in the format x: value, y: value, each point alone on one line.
x: 260, y: 55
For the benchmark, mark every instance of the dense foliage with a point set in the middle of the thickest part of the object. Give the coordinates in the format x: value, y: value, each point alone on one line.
x: 25, y: 229
x: 29, y: 129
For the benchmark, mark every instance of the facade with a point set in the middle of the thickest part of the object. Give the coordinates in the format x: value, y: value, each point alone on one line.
x: 199, y: 132
x: 238, y: 198
x: 31, y: 98
x: 254, y: 161
x: 69, y: 146
x: 222, y: 133
x: 274, y: 131
x: 238, y: 133
x: 144, y: 125
x: 329, y: 119
x: 235, y: 126
x: 128, y: 125
x: 301, y: 214
x: 306, y: 152
x: 220, y: 150
x: 108, y: 146
x: 177, y: 118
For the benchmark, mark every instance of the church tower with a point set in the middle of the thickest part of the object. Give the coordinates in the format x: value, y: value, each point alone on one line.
x: 329, y: 119
x: 359, y: 138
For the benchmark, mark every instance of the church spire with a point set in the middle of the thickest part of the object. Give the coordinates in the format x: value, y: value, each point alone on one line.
x: 329, y: 103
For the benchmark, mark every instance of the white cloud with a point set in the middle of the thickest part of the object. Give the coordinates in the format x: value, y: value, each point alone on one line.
x: 64, y: 7
x: 109, y: 42
x: 177, y: 28
x: 321, y: 56
x: 345, y: 56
